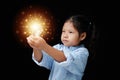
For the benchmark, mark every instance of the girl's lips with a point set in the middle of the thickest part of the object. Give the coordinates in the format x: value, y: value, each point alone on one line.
x: 65, y: 40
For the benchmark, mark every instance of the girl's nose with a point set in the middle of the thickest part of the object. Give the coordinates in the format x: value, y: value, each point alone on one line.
x: 65, y: 35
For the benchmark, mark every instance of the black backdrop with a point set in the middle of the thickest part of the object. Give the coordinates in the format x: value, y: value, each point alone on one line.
x: 16, y: 58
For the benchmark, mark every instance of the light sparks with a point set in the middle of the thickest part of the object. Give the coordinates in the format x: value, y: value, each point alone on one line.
x: 34, y: 21
x: 36, y: 28
x: 33, y: 25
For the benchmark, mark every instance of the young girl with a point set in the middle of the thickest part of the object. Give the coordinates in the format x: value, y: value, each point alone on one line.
x: 67, y: 61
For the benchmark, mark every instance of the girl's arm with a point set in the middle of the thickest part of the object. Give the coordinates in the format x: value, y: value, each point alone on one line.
x: 37, y: 54
x: 56, y: 54
x: 37, y: 42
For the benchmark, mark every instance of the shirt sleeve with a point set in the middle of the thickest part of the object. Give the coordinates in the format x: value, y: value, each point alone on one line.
x: 76, y: 60
x: 46, y: 61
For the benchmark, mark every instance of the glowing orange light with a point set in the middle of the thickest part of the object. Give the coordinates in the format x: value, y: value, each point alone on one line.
x: 34, y: 21
x: 34, y: 26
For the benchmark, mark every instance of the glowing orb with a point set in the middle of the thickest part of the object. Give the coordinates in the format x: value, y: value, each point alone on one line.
x: 36, y: 28
x: 34, y: 20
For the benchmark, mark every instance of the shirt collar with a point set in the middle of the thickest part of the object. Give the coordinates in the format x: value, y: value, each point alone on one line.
x: 74, y: 47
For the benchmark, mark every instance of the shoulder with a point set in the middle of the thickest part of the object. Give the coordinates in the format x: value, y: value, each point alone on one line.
x: 58, y: 46
x: 82, y: 50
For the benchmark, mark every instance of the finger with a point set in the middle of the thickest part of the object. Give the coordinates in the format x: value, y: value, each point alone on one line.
x: 30, y: 40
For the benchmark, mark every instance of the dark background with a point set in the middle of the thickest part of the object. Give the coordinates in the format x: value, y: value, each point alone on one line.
x: 16, y: 58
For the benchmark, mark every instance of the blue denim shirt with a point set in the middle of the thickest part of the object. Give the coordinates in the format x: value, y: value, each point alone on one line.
x: 71, y: 69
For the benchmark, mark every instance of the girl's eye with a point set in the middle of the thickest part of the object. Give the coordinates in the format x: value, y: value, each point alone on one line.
x: 70, y: 32
x: 63, y: 31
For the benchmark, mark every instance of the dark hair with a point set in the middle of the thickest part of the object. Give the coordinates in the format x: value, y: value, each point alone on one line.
x: 82, y: 24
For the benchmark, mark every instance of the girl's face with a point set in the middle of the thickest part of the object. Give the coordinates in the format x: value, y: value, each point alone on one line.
x: 70, y: 36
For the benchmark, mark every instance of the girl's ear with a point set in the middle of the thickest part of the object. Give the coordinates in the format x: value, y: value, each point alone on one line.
x: 83, y: 36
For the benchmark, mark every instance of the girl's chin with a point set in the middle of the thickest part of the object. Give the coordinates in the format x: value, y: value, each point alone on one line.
x: 67, y: 45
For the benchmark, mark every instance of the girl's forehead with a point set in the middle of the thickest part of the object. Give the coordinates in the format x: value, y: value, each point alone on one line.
x: 68, y: 24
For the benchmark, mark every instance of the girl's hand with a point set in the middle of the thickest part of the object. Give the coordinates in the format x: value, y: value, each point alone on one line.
x: 36, y: 42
